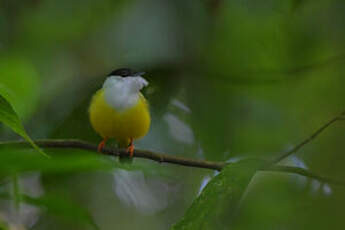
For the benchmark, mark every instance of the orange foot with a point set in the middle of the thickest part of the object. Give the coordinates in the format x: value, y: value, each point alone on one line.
x: 130, y: 148
x: 101, y: 145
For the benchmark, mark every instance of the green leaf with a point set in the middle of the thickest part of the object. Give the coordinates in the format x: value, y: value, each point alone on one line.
x: 16, y: 159
x: 10, y: 118
x: 3, y: 225
x: 295, y: 4
x: 61, y: 207
x: 218, y: 203
x: 16, y: 191
x: 62, y: 161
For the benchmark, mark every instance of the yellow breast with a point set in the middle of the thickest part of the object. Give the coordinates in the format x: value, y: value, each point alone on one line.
x: 133, y: 122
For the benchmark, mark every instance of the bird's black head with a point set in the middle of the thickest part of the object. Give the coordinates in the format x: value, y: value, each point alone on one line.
x: 125, y: 72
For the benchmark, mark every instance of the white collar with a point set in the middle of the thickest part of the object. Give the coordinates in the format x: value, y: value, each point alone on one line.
x: 122, y: 93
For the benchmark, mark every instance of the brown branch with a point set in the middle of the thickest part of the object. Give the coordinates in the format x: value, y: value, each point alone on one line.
x: 165, y: 158
x: 159, y: 157
x: 284, y: 155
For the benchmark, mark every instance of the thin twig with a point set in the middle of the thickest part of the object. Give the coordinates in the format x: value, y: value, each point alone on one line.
x: 304, y: 172
x: 309, y: 139
x: 165, y: 158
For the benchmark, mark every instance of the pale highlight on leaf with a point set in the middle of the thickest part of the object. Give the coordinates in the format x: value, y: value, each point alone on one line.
x: 217, y: 204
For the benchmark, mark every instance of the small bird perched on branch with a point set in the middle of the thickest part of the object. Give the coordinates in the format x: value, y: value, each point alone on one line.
x: 119, y: 110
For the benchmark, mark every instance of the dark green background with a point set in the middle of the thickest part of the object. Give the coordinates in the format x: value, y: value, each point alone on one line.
x: 228, y: 80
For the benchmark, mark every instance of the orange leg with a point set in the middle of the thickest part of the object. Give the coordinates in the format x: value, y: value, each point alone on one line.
x: 102, y: 144
x: 130, y: 149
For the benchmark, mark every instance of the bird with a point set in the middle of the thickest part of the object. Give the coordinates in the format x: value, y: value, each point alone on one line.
x: 119, y: 110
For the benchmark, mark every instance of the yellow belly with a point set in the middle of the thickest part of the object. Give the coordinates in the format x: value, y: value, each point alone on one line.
x: 133, y: 122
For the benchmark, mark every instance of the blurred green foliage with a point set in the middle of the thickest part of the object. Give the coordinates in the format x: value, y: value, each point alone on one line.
x: 228, y: 80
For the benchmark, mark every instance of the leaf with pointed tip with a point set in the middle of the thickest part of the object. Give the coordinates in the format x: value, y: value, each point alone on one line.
x: 10, y: 118
x: 218, y: 203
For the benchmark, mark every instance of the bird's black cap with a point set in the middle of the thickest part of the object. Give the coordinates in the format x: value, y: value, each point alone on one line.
x: 125, y: 72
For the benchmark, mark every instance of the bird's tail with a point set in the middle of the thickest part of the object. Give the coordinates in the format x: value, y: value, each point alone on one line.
x: 123, y: 144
